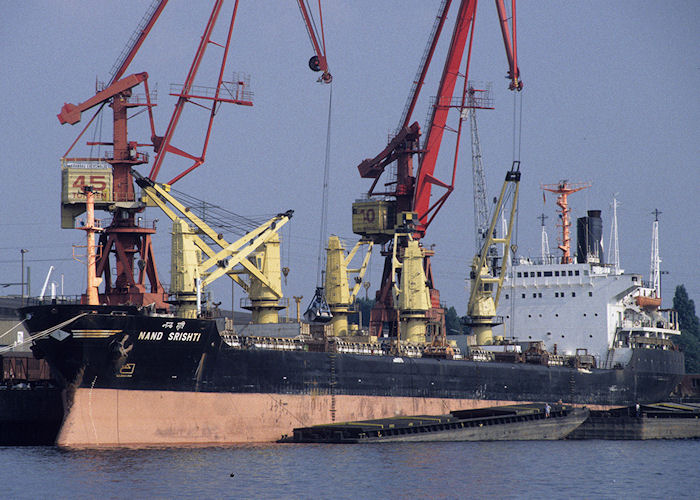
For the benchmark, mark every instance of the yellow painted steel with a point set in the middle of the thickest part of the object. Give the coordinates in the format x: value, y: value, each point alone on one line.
x: 372, y: 218
x: 75, y: 174
x: 483, y: 302
x: 413, y: 297
x: 264, y: 294
x: 338, y: 294
x: 184, y: 265
x: 257, y: 255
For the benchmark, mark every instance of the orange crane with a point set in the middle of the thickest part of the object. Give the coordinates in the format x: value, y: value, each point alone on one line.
x: 406, y: 204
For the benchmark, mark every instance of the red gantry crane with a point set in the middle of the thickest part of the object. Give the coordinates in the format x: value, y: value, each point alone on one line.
x: 406, y: 205
x: 126, y: 240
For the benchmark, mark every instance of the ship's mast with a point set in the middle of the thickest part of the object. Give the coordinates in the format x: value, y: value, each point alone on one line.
x: 91, y: 227
x: 563, y: 189
x: 655, y: 272
x: 544, y: 244
x: 614, y: 250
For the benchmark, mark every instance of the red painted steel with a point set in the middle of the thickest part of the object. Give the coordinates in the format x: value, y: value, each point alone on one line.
x: 70, y: 113
x: 319, y: 48
x: 175, y: 118
x: 511, y: 46
x: 121, y: 69
x: 436, y: 127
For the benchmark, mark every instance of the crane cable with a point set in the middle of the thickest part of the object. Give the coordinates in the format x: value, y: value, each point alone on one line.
x: 517, y: 146
x: 324, y: 202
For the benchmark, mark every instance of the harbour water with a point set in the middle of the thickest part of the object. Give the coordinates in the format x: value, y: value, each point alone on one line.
x: 542, y: 469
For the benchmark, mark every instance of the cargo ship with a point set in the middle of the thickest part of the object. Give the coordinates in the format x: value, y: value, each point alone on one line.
x: 581, y: 333
x: 134, y: 376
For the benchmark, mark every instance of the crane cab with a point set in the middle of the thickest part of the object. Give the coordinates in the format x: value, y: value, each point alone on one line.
x: 76, y: 173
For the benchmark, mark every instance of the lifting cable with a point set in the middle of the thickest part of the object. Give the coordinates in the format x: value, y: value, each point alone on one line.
x: 324, y: 202
x: 517, y: 146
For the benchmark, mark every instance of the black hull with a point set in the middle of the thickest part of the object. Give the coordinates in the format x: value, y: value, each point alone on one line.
x: 205, y: 364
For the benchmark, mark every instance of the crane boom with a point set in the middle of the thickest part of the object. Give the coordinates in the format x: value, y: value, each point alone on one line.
x: 318, y: 61
x: 436, y: 125
x: 510, y: 44
x: 424, y: 64
x: 71, y: 114
x: 481, y: 210
x: 137, y: 38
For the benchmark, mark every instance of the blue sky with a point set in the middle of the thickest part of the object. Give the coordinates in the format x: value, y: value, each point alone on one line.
x: 611, y: 97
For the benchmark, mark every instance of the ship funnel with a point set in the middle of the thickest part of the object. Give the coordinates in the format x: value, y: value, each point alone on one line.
x: 589, y: 246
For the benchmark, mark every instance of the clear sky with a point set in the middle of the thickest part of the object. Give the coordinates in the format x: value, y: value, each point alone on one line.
x: 611, y: 97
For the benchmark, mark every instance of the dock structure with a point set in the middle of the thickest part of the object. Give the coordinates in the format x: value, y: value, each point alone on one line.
x: 651, y: 421
x: 535, y: 421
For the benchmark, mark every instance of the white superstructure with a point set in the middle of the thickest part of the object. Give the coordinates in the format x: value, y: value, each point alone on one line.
x: 578, y: 306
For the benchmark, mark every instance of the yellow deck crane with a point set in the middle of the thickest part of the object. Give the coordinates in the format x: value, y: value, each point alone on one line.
x: 483, y: 302
x: 338, y: 294
x: 257, y: 254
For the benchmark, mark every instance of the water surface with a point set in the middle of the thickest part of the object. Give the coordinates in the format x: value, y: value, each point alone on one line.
x: 540, y: 469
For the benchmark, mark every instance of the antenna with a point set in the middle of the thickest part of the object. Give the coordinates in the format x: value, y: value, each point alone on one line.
x: 655, y: 273
x: 544, y: 245
x: 614, y: 250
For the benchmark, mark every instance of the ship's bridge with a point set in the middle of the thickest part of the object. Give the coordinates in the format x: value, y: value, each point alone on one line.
x: 579, y: 306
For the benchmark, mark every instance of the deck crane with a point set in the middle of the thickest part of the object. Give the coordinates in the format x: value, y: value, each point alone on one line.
x: 406, y: 202
x: 483, y: 298
x: 255, y: 254
x: 126, y: 240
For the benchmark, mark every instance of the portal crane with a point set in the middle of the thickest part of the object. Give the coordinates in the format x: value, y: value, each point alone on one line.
x: 407, y: 199
x: 126, y: 240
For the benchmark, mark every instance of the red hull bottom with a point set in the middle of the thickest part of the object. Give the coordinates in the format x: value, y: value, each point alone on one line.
x: 111, y: 417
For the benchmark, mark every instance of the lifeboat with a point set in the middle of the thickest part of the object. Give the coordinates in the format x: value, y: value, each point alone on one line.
x: 648, y: 302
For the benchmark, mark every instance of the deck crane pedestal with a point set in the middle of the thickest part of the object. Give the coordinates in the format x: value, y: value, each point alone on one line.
x: 407, y: 198
x: 339, y: 297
